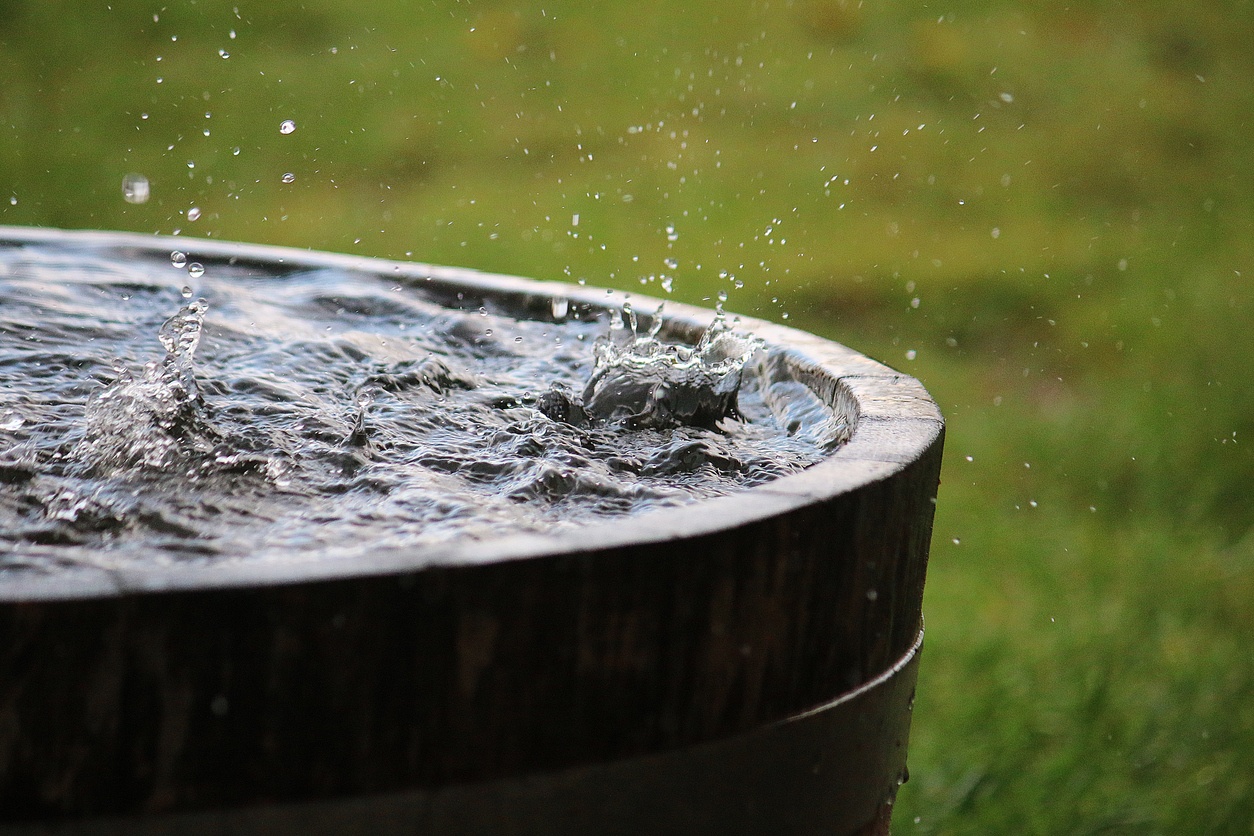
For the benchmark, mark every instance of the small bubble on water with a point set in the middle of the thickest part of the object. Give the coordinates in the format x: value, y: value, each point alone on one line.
x: 187, y: 292
x: 135, y: 188
x: 178, y: 259
x: 193, y: 214
x: 195, y: 269
x: 289, y: 178
x: 287, y: 126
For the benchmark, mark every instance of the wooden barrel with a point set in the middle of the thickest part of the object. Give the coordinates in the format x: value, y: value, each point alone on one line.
x: 740, y: 665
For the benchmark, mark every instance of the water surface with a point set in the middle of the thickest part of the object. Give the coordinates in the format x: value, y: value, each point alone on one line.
x: 152, y: 412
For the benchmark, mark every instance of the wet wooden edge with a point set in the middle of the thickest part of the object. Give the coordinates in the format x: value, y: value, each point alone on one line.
x: 894, y: 423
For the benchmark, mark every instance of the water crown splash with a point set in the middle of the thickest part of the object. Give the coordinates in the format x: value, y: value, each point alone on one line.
x: 642, y: 382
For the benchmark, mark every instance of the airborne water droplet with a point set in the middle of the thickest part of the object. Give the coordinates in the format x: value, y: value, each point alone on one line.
x: 561, y: 306
x: 195, y: 269
x: 135, y: 188
x: 193, y: 214
x: 178, y: 259
x: 287, y: 126
x: 289, y: 177
x: 223, y: 53
x: 187, y: 292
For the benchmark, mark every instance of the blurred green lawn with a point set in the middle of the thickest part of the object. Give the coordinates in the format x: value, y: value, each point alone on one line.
x: 1043, y: 210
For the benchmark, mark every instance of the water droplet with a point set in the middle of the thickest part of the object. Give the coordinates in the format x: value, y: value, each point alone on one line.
x: 193, y: 214
x: 1007, y: 97
x: 195, y: 269
x: 671, y: 234
x: 911, y: 354
x: 187, y: 292
x: 671, y: 263
x: 287, y: 126
x: 235, y: 151
x: 178, y: 259
x: 223, y: 53
x: 561, y: 306
x: 668, y: 283
x: 289, y: 178
x: 872, y: 595
x: 13, y: 201
x: 957, y: 541
x: 135, y: 188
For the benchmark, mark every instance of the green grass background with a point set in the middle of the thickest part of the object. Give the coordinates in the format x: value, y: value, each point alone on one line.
x: 1045, y: 211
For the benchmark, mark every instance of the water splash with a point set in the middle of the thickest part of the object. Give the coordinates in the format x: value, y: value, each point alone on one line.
x: 640, y: 381
x: 158, y: 418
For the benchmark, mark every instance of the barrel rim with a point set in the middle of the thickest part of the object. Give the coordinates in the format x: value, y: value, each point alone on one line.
x: 894, y: 422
